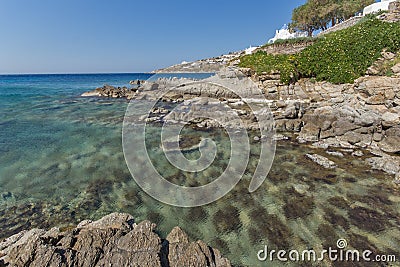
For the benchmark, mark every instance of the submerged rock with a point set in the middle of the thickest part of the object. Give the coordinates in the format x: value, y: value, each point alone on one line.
x: 110, y: 91
x: 320, y: 160
x: 114, y: 240
x: 367, y: 219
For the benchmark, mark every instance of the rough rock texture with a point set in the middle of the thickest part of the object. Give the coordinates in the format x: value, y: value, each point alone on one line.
x: 111, y: 91
x: 320, y: 160
x: 394, y: 12
x: 205, y: 65
x: 365, y: 114
x: 114, y: 240
x: 287, y: 49
x: 343, y: 25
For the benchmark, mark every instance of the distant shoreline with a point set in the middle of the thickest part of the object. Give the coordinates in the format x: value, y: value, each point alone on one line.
x: 91, y: 73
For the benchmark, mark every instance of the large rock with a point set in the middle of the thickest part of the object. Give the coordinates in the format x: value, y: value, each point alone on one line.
x: 391, y: 140
x: 342, y: 126
x: 396, y: 68
x: 114, y: 240
x: 109, y: 91
x: 385, y: 163
x: 310, y: 132
x: 184, y: 253
x: 376, y: 90
x: 390, y: 119
x: 367, y: 118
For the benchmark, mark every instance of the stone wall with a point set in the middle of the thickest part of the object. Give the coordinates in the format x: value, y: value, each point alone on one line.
x: 286, y: 48
x: 341, y: 26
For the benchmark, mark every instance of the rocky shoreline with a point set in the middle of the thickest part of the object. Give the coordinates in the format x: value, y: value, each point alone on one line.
x: 114, y: 240
x: 364, y: 116
x: 359, y: 120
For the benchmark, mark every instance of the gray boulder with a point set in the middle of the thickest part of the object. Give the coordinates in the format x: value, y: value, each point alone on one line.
x: 390, y: 119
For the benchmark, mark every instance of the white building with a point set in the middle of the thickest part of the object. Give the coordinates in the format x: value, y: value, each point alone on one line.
x: 284, y: 34
x: 376, y: 7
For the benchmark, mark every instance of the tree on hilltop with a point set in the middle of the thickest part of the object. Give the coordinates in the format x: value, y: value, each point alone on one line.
x: 320, y: 14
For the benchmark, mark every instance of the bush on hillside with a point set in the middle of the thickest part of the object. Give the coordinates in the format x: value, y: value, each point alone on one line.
x: 261, y: 62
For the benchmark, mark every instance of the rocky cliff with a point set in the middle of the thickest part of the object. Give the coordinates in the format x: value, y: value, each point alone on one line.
x: 114, y: 240
x: 363, y: 115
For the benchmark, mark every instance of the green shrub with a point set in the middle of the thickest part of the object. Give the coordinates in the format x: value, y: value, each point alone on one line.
x: 343, y: 56
x: 338, y: 57
x: 263, y: 62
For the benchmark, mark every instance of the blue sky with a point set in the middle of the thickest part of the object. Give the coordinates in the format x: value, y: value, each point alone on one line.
x: 86, y: 36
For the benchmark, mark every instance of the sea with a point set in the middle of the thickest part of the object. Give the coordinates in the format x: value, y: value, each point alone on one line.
x: 62, y: 161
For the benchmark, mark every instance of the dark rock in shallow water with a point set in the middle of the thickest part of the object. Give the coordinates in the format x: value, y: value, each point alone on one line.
x: 197, y: 214
x: 339, y: 202
x: 271, y: 227
x: 227, y: 220
x: 328, y: 234
x: 298, y: 207
x: 221, y: 245
x: 369, y: 220
x: 335, y: 219
x: 328, y: 179
x: 110, y: 91
x: 114, y: 240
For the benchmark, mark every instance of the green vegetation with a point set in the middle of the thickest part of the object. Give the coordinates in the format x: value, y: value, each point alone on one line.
x: 319, y: 14
x: 338, y: 57
x: 263, y: 62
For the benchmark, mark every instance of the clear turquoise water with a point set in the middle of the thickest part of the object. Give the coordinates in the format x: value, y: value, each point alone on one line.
x: 61, y: 161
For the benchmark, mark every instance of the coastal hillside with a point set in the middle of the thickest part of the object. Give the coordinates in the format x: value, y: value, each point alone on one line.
x: 339, y: 57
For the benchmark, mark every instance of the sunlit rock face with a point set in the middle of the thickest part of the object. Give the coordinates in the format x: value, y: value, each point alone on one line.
x: 376, y: 7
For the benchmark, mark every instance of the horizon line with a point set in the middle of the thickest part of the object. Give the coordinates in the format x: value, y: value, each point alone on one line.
x: 73, y: 73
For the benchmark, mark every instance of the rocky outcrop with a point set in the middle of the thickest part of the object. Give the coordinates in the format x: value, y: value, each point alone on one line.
x: 137, y: 82
x: 205, y: 65
x: 385, y: 64
x: 362, y: 115
x: 111, y: 91
x: 114, y: 240
x: 393, y: 14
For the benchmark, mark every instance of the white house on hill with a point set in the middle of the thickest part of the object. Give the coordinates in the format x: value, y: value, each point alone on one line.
x: 376, y: 7
x: 284, y: 34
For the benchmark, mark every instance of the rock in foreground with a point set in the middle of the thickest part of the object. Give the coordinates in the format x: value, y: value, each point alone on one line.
x: 114, y: 240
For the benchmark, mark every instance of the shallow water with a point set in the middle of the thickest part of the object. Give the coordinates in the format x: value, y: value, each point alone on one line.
x: 61, y: 161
